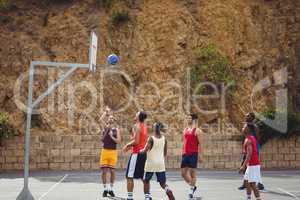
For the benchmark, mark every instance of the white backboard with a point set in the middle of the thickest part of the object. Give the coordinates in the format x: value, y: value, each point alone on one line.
x: 93, y: 51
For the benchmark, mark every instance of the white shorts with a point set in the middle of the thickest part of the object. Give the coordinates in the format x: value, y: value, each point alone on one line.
x: 252, y: 174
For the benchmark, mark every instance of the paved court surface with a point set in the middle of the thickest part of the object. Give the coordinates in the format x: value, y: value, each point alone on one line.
x: 213, y: 185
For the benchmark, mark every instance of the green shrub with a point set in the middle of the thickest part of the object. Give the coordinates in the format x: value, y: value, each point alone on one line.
x: 210, y: 65
x: 5, y: 4
x: 6, y: 129
x: 119, y: 16
x: 267, y: 133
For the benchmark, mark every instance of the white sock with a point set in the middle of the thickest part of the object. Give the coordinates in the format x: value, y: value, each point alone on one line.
x: 147, y: 196
x: 167, y: 188
x: 129, y: 195
x: 105, y: 186
x: 111, y: 187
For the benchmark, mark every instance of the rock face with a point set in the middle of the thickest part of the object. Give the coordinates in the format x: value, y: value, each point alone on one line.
x: 156, y: 48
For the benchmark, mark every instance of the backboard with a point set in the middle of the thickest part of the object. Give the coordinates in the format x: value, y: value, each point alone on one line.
x: 93, y: 51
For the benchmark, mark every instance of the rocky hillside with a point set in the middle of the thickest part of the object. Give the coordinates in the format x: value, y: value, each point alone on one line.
x: 156, y: 42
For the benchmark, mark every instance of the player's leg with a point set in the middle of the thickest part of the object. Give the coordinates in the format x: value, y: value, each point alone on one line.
x: 185, y: 169
x: 255, y: 178
x: 193, y: 172
x: 248, y: 187
x: 113, y: 164
x: 147, y: 178
x: 130, y: 186
x: 185, y: 175
x: 161, y: 178
x: 112, y: 181
x: 248, y: 190
x: 255, y: 190
x: 130, y: 175
x: 193, y: 162
x: 104, y: 171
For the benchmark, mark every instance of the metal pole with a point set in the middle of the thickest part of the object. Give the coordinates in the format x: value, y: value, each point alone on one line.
x: 52, y: 87
x: 25, y: 193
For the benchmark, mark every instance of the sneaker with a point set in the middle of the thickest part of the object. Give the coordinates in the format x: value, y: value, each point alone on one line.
x: 170, y: 195
x: 242, y: 187
x: 260, y: 186
x: 191, y: 196
x: 105, y: 193
x: 111, y: 193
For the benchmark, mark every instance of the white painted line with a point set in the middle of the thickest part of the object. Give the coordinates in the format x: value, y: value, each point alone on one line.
x: 53, y: 186
x: 288, y: 193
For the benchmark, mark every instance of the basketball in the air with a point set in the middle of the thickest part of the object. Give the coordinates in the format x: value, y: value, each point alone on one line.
x: 112, y: 59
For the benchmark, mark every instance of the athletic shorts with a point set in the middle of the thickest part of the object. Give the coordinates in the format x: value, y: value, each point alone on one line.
x: 136, y: 166
x: 189, y: 161
x: 108, y: 158
x: 160, y: 176
x: 252, y: 174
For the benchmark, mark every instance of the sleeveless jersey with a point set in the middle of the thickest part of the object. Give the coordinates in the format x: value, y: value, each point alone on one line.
x: 254, y: 160
x: 143, y: 137
x: 108, y: 143
x: 190, y: 143
x: 155, y: 157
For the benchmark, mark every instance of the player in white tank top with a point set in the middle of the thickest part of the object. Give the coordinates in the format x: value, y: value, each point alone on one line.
x: 156, y: 149
x: 155, y: 157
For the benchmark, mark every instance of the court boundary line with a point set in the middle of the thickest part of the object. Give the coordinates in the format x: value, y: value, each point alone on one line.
x: 288, y: 193
x: 53, y: 187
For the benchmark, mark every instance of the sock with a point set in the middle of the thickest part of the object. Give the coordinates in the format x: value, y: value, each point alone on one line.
x: 111, y: 187
x: 167, y: 188
x: 104, y: 186
x: 147, y: 196
x: 130, y: 195
x: 248, y: 197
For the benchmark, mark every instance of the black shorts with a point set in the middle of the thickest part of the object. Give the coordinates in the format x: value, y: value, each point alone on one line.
x: 136, y: 165
x: 189, y: 160
x: 161, y: 176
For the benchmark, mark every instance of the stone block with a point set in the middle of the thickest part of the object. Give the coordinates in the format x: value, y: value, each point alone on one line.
x: 75, y: 166
x: 75, y: 152
x: 43, y: 165
x: 85, y: 165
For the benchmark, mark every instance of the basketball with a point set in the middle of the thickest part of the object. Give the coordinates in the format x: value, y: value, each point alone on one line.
x: 112, y: 59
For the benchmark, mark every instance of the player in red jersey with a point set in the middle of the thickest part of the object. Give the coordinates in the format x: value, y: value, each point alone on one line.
x: 251, y: 164
x: 192, y: 138
x: 137, y: 160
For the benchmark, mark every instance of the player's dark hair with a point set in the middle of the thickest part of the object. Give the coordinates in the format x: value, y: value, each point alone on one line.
x: 142, y: 116
x: 194, y: 116
x: 157, y: 128
x: 251, y: 116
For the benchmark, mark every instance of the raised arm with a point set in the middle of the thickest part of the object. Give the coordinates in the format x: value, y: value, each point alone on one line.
x: 116, y: 139
x: 104, y: 116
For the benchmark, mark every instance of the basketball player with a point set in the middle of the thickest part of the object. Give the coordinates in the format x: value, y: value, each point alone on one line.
x: 251, y: 164
x: 192, y: 138
x: 136, y: 163
x: 156, y: 149
x: 109, y: 155
x: 250, y: 117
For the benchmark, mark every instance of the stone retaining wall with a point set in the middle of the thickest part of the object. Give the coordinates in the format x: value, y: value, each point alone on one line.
x: 74, y: 152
